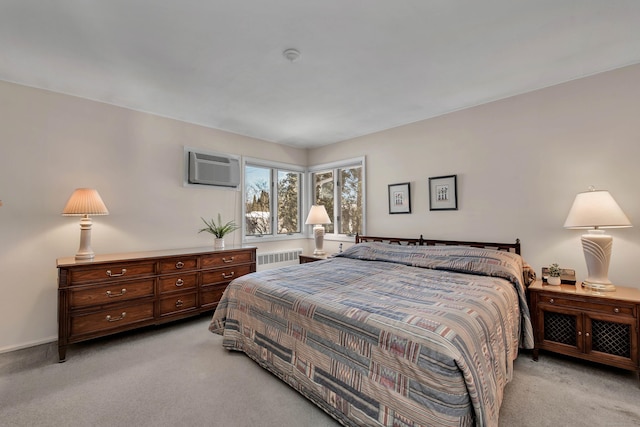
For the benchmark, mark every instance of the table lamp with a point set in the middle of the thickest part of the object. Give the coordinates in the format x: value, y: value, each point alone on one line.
x: 317, y: 217
x: 85, y: 202
x: 596, y: 210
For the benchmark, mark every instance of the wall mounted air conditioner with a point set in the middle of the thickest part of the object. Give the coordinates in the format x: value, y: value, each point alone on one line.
x: 213, y: 169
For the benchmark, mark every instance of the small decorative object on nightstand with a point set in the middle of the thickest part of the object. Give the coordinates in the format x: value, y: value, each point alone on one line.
x: 554, y: 274
x: 575, y: 321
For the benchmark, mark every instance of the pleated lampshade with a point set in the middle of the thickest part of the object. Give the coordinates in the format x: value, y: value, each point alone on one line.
x: 85, y: 201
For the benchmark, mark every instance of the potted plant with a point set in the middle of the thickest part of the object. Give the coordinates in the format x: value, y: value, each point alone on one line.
x: 554, y: 274
x: 219, y: 230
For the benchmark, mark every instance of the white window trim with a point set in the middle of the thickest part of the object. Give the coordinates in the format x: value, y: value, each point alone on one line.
x: 274, y: 165
x: 308, y: 196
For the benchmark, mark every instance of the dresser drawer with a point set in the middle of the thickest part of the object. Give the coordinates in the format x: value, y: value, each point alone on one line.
x: 113, y: 292
x: 111, y: 318
x: 177, y: 303
x: 115, y: 271
x: 210, y: 296
x: 174, y: 265
x: 226, y: 258
x: 224, y: 275
x: 607, y: 307
x: 177, y: 282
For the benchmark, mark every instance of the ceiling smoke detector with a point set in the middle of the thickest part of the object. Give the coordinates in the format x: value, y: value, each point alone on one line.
x: 291, y: 54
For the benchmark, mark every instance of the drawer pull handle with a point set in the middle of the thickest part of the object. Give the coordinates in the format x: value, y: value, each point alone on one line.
x: 579, y: 333
x: 587, y: 334
x: 551, y: 301
x: 616, y: 310
x: 179, y: 303
x: 115, y: 319
x: 179, y: 282
x: 179, y: 264
x: 110, y: 274
x: 227, y: 261
x: 228, y: 276
x: 122, y: 292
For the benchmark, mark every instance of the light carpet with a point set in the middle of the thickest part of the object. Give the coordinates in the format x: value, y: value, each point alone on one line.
x: 179, y: 374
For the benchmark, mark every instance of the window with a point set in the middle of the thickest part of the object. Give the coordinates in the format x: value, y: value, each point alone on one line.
x: 340, y: 188
x: 272, y: 199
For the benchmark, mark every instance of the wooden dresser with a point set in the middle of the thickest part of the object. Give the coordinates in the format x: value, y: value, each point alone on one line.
x: 120, y: 292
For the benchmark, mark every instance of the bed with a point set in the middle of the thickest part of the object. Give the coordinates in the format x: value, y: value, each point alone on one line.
x: 390, y: 332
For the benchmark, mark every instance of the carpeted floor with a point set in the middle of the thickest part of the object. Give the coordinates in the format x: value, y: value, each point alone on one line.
x: 179, y: 374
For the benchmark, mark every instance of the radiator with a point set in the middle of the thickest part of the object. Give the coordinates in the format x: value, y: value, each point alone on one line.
x: 267, y: 260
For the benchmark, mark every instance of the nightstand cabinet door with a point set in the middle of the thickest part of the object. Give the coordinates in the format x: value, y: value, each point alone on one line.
x: 611, y: 338
x: 560, y: 329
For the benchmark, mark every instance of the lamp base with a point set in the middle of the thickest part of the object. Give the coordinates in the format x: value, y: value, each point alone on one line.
x: 85, y: 252
x: 318, y: 235
x: 599, y: 287
x: 597, y: 254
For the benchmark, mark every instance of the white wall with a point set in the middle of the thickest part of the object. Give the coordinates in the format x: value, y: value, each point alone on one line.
x: 50, y: 145
x: 520, y: 162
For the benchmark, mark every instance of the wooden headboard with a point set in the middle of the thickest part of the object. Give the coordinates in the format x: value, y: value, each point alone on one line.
x: 509, y: 247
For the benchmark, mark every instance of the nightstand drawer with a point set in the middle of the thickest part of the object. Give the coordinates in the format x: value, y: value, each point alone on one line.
x: 177, y: 282
x: 611, y: 307
x: 111, y: 318
x: 111, y: 293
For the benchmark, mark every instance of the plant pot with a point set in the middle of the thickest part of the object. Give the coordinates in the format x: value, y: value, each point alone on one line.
x: 218, y: 243
x: 553, y: 280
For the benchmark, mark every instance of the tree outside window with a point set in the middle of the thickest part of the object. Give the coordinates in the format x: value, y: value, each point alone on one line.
x: 340, y: 190
x: 271, y: 196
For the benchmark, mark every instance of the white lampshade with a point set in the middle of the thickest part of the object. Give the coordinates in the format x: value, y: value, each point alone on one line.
x: 318, y: 215
x: 85, y: 201
x: 596, y: 209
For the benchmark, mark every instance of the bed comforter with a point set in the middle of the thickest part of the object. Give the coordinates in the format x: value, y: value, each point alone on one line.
x: 387, y: 335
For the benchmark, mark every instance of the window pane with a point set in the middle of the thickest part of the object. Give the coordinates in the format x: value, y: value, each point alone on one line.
x: 257, y: 200
x: 288, y: 202
x: 351, y: 200
x: 323, y: 187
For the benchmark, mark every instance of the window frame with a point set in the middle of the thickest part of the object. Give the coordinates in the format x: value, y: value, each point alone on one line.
x: 274, y: 167
x: 335, y: 167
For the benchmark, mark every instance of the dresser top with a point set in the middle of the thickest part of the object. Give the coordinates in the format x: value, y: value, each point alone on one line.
x: 621, y: 292
x: 128, y: 256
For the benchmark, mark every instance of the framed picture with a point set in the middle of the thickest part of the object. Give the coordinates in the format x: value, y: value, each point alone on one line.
x: 400, y: 198
x: 443, y: 194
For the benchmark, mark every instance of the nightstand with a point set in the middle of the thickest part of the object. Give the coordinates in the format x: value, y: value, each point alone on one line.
x: 597, y: 326
x: 311, y: 258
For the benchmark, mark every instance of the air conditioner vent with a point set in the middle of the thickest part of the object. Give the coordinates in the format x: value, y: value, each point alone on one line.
x: 213, y: 169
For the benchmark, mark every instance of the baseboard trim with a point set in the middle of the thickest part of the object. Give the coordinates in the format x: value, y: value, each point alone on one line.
x: 28, y: 357
x: 29, y: 344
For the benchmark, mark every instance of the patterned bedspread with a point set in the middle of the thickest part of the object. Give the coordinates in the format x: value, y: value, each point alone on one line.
x: 387, y: 335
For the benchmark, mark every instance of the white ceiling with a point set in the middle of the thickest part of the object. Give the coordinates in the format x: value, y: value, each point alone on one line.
x: 366, y: 65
